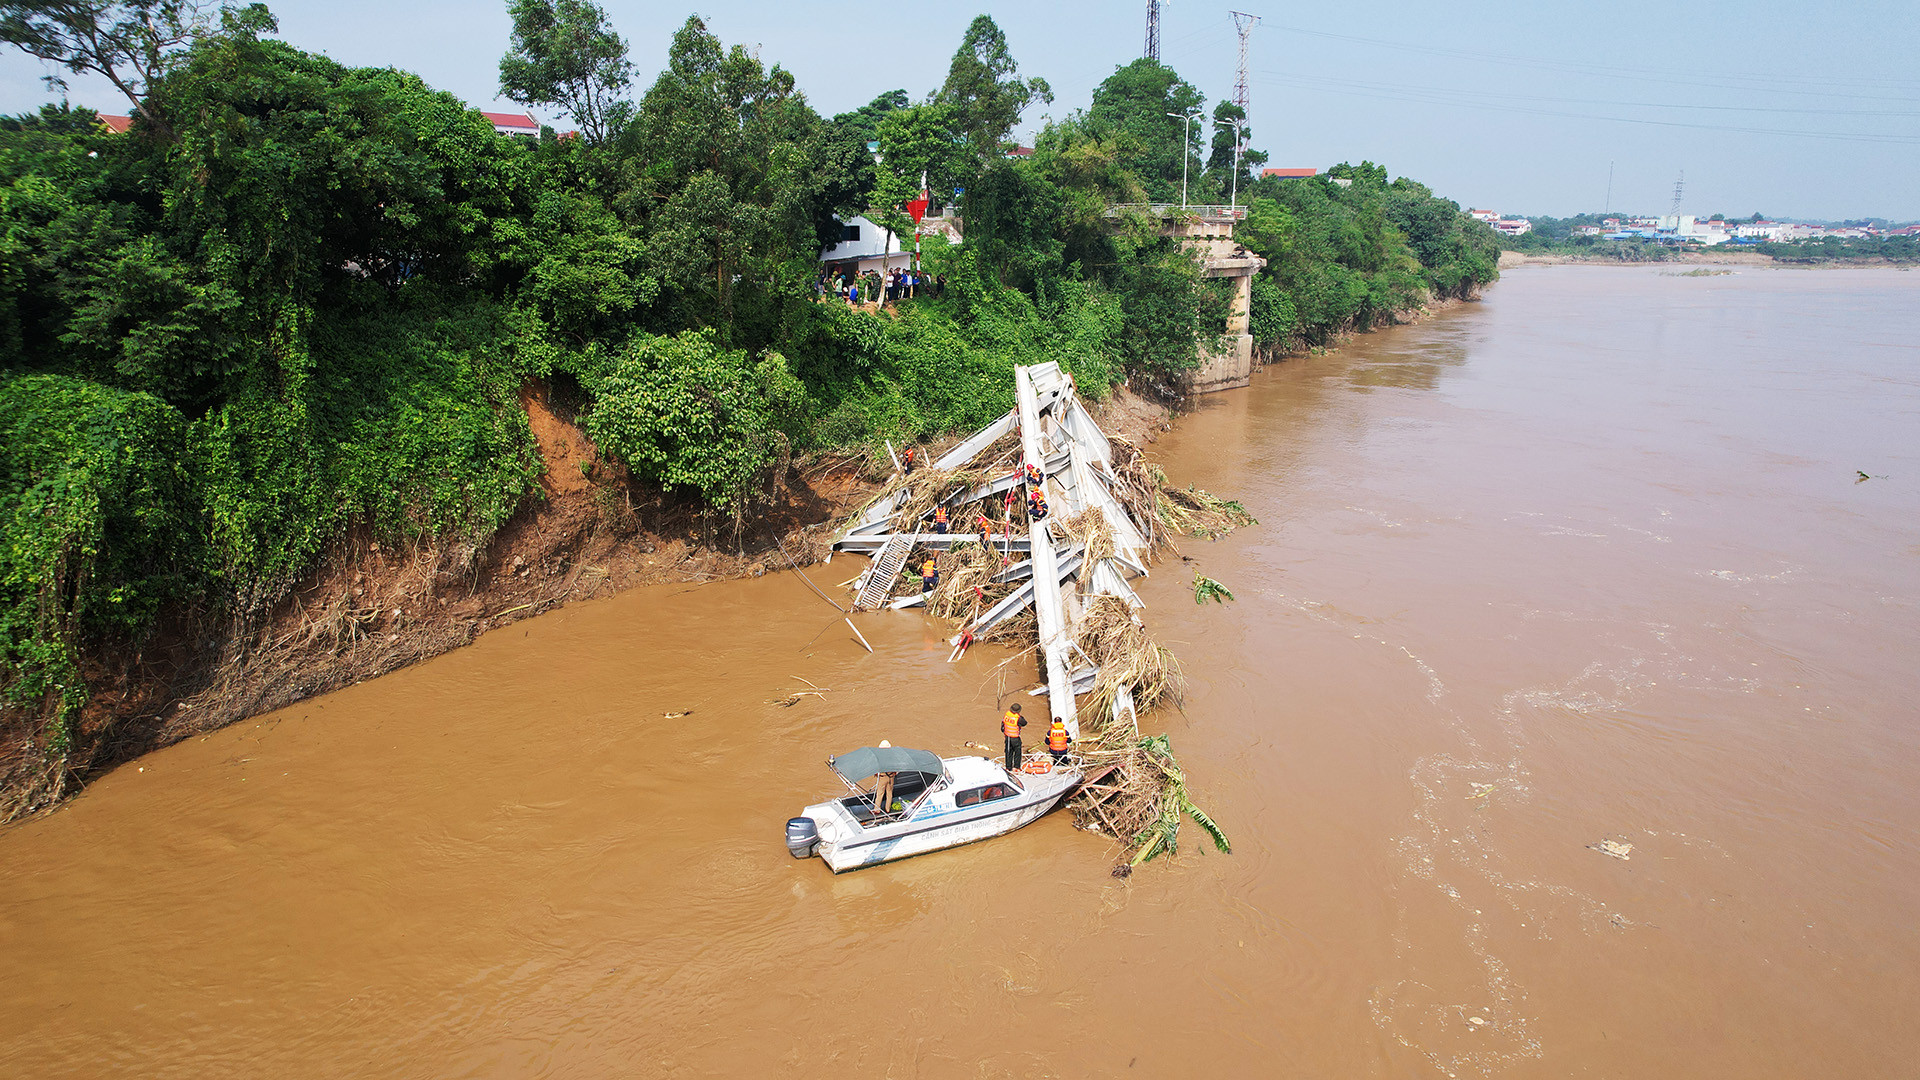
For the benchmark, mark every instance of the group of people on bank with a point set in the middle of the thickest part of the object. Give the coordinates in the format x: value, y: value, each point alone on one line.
x: 871, y: 287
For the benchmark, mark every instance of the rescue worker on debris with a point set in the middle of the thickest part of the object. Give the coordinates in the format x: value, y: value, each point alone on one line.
x: 929, y: 576
x: 909, y: 464
x: 1010, y: 725
x: 1034, y: 475
x: 1036, y: 505
x: 1057, y: 740
x: 940, y: 519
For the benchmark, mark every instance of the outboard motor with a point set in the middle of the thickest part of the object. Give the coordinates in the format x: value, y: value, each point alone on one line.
x: 802, y: 836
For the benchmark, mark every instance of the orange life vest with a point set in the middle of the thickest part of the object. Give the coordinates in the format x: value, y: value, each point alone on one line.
x: 1057, y: 737
x: 940, y: 515
x: 1010, y: 725
x: 929, y: 569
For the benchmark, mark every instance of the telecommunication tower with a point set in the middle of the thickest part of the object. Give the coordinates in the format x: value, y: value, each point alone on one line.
x: 1243, y: 24
x: 1153, y: 30
x: 1679, y: 188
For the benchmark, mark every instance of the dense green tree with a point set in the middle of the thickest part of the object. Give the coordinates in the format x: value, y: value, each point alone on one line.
x: 985, y: 90
x: 688, y: 414
x: 131, y: 43
x: 1135, y: 102
x: 564, y: 53
x: 920, y: 150
x: 733, y: 181
x: 1220, y: 161
x: 864, y: 122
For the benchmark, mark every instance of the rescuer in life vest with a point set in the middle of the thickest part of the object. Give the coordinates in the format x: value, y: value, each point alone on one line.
x: 1010, y: 726
x: 929, y: 576
x: 940, y: 519
x: 1057, y: 740
x: 909, y: 463
x: 1036, y: 505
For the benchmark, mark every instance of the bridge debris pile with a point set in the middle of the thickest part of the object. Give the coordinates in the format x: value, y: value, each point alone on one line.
x: 1047, y: 520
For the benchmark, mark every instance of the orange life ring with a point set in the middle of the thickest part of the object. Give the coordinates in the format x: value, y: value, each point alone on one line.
x: 1037, y: 766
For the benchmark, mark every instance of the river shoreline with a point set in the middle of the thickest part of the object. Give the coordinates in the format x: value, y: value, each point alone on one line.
x: 371, y: 609
x: 1514, y: 260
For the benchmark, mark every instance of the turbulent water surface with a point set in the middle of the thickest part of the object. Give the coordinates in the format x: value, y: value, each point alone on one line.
x: 1581, y: 571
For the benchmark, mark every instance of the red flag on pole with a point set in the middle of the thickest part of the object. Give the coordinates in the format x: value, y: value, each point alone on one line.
x: 917, y: 209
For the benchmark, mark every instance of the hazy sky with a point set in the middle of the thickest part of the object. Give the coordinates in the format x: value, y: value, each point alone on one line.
x: 1787, y: 108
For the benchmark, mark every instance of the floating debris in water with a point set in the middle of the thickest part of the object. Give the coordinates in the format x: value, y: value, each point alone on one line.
x: 1205, y: 589
x: 1612, y: 847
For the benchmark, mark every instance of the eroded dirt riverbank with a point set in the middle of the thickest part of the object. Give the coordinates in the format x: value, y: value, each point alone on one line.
x: 372, y: 609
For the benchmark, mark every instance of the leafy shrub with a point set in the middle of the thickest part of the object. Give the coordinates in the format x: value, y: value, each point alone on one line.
x: 690, y: 415
x: 99, y: 528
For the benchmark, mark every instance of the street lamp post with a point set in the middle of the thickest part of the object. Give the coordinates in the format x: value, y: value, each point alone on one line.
x: 1239, y: 137
x: 1186, y: 143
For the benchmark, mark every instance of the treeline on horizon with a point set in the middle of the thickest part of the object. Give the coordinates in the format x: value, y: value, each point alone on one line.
x: 1559, y: 236
x: 297, y: 297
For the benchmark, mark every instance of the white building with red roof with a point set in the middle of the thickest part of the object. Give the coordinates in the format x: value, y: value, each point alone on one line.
x: 522, y: 125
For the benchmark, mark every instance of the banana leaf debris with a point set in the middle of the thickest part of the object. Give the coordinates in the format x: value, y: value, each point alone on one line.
x: 1047, y: 519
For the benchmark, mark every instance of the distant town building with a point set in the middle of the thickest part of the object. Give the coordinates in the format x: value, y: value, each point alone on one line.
x: 119, y: 125
x: 1289, y: 174
x: 1488, y: 216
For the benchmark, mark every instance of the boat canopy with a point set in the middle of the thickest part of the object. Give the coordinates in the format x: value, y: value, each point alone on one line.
x: 857, y: 765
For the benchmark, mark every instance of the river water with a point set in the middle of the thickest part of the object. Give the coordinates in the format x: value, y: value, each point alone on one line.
x: 1585, y: 562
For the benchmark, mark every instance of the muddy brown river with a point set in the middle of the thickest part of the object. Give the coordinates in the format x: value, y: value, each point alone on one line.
x: 1584, y: 568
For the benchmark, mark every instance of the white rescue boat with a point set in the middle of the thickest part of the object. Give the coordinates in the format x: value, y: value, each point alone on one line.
x: 936, y: 803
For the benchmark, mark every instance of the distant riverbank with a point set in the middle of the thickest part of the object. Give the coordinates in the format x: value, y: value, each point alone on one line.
x: 1513, y: 260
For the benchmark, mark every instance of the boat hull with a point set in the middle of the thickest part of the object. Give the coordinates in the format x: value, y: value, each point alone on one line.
x: 941, y: 830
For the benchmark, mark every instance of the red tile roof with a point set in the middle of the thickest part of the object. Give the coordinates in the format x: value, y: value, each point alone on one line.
x: 513, y: 121
x: 117, y: 124
x: 1289, y: 173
